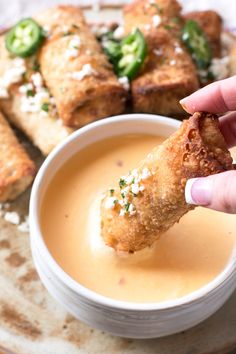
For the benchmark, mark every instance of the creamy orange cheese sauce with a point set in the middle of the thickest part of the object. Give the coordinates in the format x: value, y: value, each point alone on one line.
x: 187, y: 257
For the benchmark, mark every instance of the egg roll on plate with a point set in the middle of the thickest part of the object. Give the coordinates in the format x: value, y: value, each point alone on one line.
x: 17, y: 170
x: 150, y: 199
x: 35, y: 115
x: 168, y: 73
x: 76, y: 70
x: 211, y: 24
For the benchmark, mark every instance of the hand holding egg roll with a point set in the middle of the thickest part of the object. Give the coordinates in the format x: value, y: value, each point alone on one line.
x: 151, y: 199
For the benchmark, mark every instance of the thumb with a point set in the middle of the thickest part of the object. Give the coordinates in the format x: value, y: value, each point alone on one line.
x: 216, y: 192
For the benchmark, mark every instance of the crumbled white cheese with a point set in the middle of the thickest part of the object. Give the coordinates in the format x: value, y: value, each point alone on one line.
x: 122, y: 212
x: 220, y: 68
x: 178, y: 50
x: 99, y: 30
x: 37, y: 80
x: 3, y: 91
x: 65, y: 29
x: 147, y: 27
x: 25, y: 88
x: 24, y: 226
x: 12, y: 75
x: 119, y: 32
x: 156, y: 20
x: 46, y: 30
x: 124, y: 81
x: 12, y: 217
x: 173, y: 62
x: 158, y: 52
x: 86, y: 70
x: 134, y: 172
x: 73, y: 47
x: 145, y: 173
x: 39, y: 96
x: 185, y: 36
x: 135, y: 188
x: 110, y: 202
x: 131, y: 209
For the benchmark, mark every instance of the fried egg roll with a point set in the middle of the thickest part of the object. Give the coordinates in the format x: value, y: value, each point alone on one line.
x: 17, y: 170
x: 168, y: 73
x: 43, y: 129
x: 150, y: 199
x: 211, y: 24
x: 76, y: 70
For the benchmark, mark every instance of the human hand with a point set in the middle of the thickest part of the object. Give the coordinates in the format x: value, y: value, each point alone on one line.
x: 217, y: 191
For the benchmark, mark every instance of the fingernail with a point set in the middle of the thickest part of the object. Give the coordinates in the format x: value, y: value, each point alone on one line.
x: 198, y: 191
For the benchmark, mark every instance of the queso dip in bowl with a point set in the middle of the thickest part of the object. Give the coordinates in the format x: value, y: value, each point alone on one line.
x: 178, y: 282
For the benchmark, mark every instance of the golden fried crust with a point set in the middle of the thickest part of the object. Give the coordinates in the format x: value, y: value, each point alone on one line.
x: 16, y: 169
x: 78, y: 101
x: 168, y: 73
x: 211, y: 24
x: 196, y: 149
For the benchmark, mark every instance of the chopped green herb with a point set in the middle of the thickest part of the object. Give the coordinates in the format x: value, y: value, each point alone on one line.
x: 127, y: 207
x: 115, y: 201
x: 133, y: 180
x: 30, y: 93
x: 112, y: 192
x: 175, y: 19
x: 168, y: 27
x: 158, y: 8
x: 122, y: 183
x: 45, y: 107
x: 123, y: 195
x: 67, y: 33
x: 75, y: 26
x: 36, y: 66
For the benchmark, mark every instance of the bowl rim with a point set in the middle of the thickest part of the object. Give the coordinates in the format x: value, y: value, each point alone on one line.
x: 37, y: 240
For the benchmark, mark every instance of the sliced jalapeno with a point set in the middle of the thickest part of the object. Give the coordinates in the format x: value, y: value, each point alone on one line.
x: 197, y: 44
x: 133, y: 54
x: 113, y: 50
x: 24, y: 38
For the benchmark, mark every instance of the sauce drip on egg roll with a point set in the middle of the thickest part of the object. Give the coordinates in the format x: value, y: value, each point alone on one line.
x: 76, y: 70
x: 150, y: 199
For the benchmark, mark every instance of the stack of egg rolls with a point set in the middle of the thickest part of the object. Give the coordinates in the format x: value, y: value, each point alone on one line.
x: 154, y: 192
x: 168, y: 73
x: 84, y: 87
x: 82, y: 84
x: 17, y: 170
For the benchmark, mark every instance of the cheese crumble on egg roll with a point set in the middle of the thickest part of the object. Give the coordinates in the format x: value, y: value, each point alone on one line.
x: 76, y: 70
x: 150, y: 199
x: 17, y: 170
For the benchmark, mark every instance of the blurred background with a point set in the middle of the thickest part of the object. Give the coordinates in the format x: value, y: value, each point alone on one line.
x: 15, y: 9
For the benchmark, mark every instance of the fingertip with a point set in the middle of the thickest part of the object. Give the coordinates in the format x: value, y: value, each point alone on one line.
x: 188, y: 191
x: 186, y: 106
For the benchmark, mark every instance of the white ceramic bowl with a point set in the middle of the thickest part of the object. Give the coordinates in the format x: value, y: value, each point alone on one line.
x: 135, y: 320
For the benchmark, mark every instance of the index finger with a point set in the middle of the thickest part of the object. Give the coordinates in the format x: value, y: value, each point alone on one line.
x: 218, y: 97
